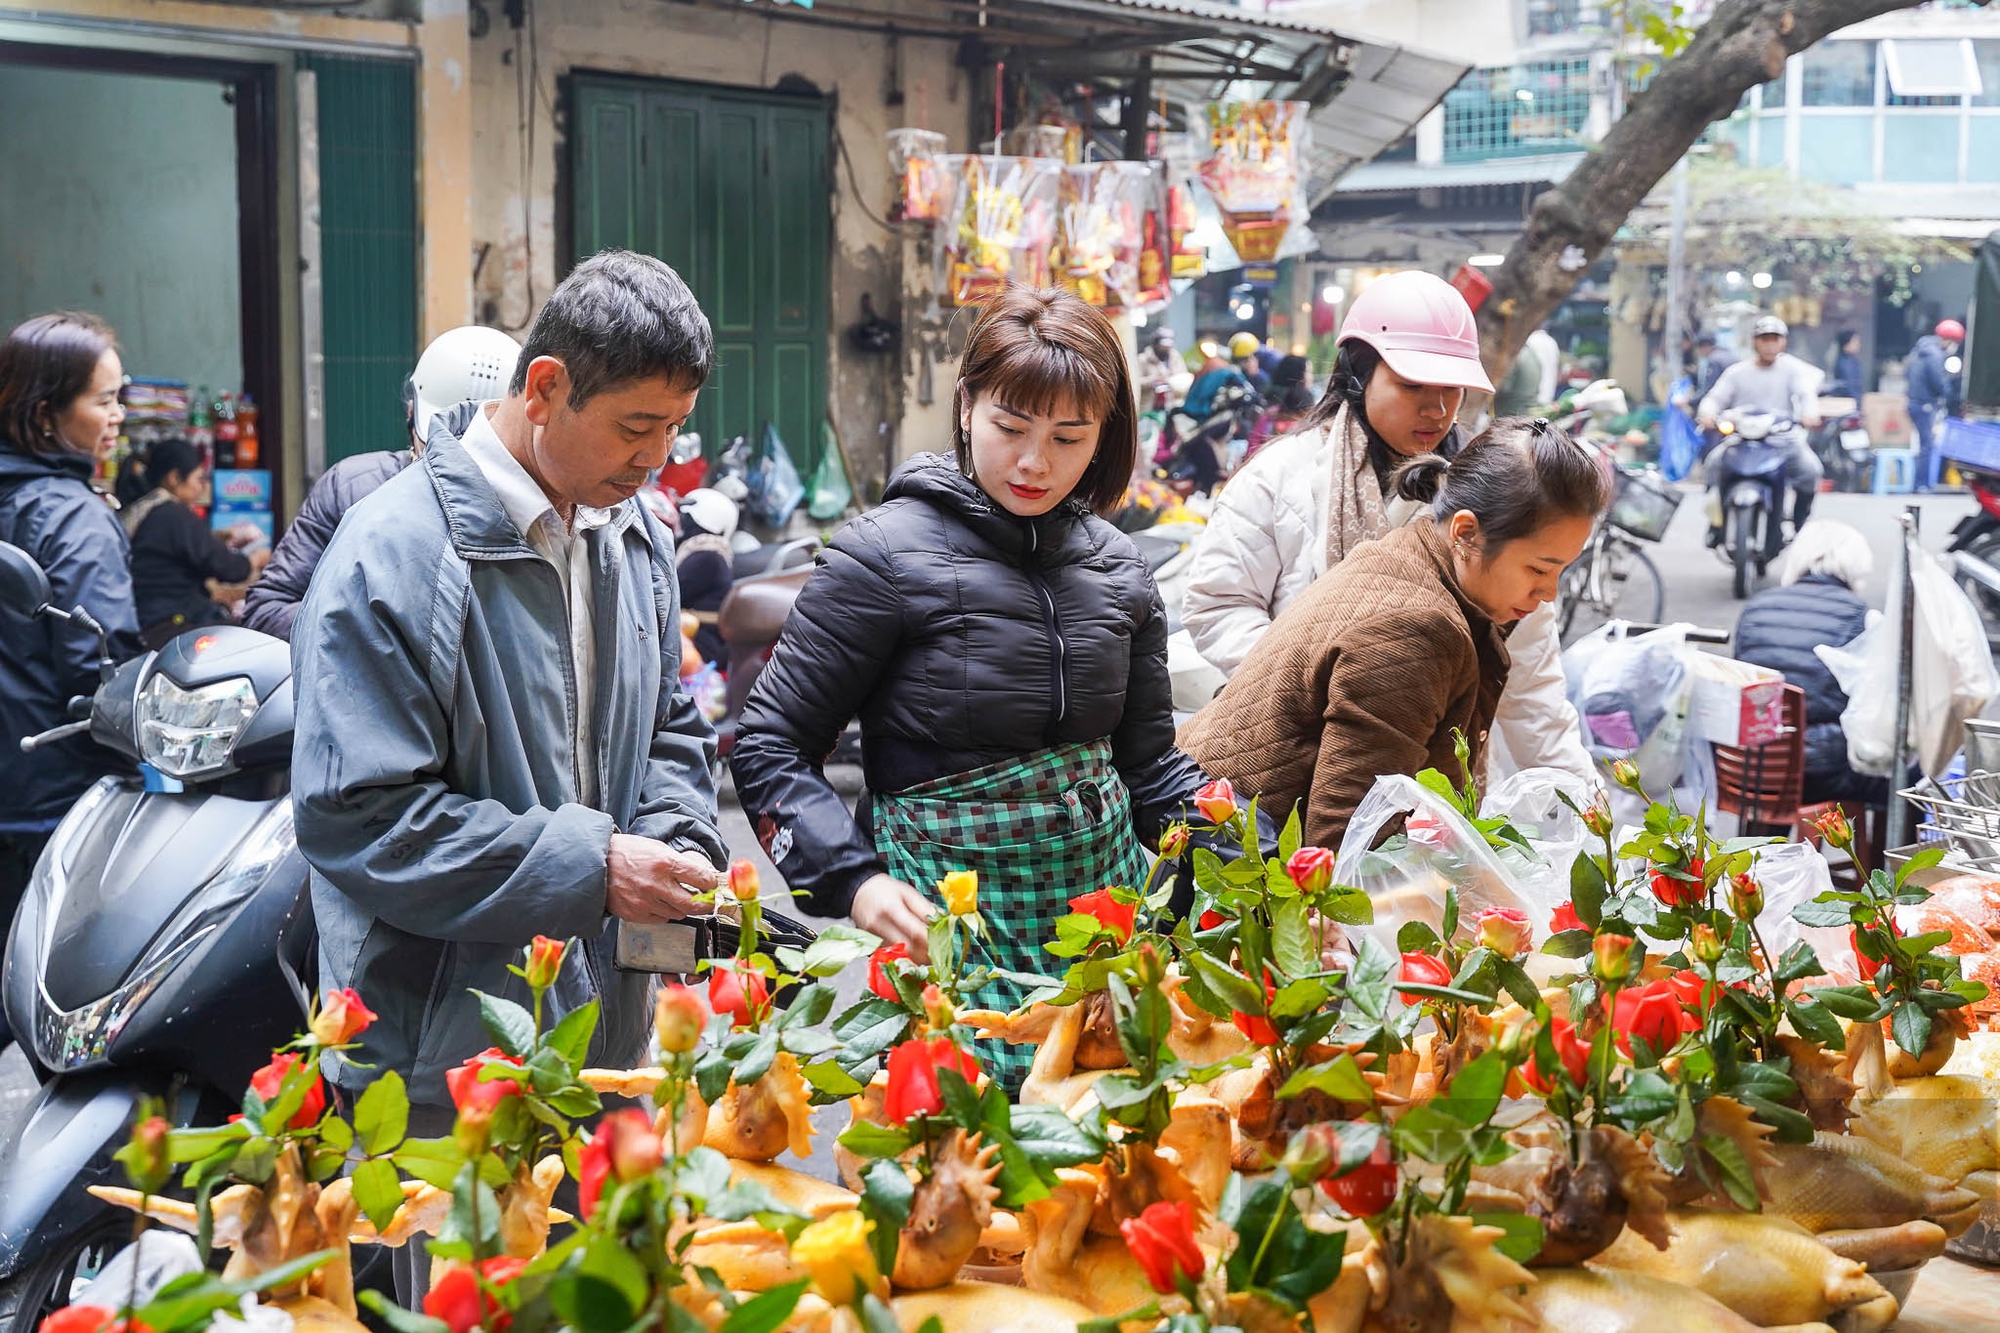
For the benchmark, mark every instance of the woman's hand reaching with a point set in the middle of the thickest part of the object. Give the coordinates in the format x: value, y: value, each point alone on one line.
x: 886, y: 907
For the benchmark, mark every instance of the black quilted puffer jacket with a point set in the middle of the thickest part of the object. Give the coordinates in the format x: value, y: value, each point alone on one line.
x: 1779, y: 629
x: 960, y: 635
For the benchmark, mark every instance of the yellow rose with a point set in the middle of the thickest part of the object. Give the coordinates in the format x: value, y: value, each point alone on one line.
x: 835, y: 1253
x: 961, y: 892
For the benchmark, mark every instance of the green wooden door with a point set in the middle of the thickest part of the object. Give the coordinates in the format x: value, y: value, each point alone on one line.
x: 731, y: 189
x: 368, y: 247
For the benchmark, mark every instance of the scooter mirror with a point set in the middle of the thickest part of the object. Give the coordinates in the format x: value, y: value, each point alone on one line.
x: 24, y: 588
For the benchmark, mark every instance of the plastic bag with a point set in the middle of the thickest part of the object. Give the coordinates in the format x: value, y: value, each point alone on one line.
x: 1792, y: 873
x: 1407, y: 876
x: 1632, y: 693
x: 775, y: 488
x: 1531, y: 800
x: 830, y: 492
x: 1952, y: 676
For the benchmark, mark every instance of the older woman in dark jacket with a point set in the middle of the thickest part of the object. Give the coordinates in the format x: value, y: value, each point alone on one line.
x: 1005, y: 649
x: 1816, y: 604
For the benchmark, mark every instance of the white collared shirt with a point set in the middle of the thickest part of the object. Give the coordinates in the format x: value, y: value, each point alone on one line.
x: 564, y: 547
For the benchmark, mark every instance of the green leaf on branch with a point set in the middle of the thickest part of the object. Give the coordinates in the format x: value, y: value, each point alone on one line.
x: 1228, y: 985
x: 1348, y: 906
x: 1855, y: 1003
x: 828, y: 1079
x: 511, y: 1026
x: 1798, y: 963
x: 1911, y: 1027
x: 1738, y: 1181
x: 1587, y: 889
x: 396, y: 1317
x: 886, y: 1196
x: 766, y: 1312
x: 837, y: 946
x: 183, y: 1302
x: 1815, y: 1023
x: 1524, y: 1237
x: 1293, y: 943
x: 865, y: 1138
x: 571, y: 1038
x: 1825, y: 910
x: 1339, y: 1078
x: 1567, y: 944
x: 378, y: 1192
x: 434, y: 1161
x: 382, y: 1115
x: 1474, y: 1092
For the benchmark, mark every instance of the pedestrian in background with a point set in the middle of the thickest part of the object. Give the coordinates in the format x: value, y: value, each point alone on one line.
x: 174, y: 553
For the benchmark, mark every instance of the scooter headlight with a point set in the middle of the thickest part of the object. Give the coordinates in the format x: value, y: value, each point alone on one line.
x: 190, y: 733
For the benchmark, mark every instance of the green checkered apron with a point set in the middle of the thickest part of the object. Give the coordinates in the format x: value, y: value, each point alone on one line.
x: 1038, y: 830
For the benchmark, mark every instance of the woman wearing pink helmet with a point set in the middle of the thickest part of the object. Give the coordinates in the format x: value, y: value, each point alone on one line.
x: 1409, y: 350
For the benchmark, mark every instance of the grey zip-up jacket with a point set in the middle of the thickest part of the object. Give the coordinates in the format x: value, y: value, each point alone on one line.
x: 432, y: 779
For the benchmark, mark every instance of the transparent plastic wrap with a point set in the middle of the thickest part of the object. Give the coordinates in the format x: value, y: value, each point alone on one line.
x: 1100, y: 231
x: 1407, y: 876
x: 1791, y: 873
x: 1255, y: 171
x: 998, y: 226
x: 1532, y: 801
x: 914, y: 156
x: 1632, y: 694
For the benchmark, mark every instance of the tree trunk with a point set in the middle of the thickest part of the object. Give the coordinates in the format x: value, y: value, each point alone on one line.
x: 1744, y: 43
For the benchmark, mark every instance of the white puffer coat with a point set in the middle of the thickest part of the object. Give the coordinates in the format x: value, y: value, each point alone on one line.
x: 1266, y: 542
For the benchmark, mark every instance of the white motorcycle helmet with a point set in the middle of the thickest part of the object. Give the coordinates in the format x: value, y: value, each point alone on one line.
x: 471, y: 362
x: 711, y: 511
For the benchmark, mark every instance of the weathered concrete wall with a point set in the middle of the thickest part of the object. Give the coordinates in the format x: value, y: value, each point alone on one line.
x: 857, y: 71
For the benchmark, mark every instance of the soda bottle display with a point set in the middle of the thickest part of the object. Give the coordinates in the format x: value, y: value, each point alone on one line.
x: 247, y: 447
x: 201, y: 426
x: 225, y: 430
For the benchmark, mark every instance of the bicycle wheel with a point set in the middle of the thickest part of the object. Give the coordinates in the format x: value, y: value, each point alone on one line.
x: 1626, y: 586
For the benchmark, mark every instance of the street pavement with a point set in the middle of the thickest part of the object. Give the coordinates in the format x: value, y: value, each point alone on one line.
x: 1697, y: 585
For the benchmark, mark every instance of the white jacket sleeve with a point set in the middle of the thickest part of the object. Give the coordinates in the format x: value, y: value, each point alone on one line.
x: 1536, y: 722
x: 1234, y: 575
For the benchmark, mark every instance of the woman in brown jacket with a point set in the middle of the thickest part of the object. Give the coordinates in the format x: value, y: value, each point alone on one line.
x: 1405, y: 641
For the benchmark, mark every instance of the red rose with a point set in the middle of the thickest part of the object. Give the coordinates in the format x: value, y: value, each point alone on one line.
x: 1504, y: 930
x: 1311, y: 868
x: 739, y: 992
x: 1216, y: 801
x: 545, y: 959
x: 913, y: 1077
x: 456, y: 1298
x: 468, y: 1093
x: 1867, y: 966
x: 1116, y: 917
x: 1565, y: 918
x: 1677, y: 893
x: 268, y: 1081
x: 881, y: 980
x: 1651, y: 1013
x: 1571, y: 1049
x: 89, y: 1319
x: 1257, y: 1027
x: 1211, y: 919
x: 342, y: 1018
x: 1368, y: 1188
x: 624, y: 1147
x: 1424, y: 969
x: 1162, y: 1239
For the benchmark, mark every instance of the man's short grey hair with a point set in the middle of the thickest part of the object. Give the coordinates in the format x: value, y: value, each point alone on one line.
x: 620, y: 316
x: 1831, y: 550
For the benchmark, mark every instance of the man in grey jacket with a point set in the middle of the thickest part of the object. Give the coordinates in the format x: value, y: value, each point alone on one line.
x: 491, y: 741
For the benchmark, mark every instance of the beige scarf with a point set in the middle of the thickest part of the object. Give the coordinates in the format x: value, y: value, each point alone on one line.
x: 1355, y: 512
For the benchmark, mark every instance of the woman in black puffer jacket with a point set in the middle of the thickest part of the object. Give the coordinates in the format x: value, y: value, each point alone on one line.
x: 1005, y: 649
x: 1779, y: 628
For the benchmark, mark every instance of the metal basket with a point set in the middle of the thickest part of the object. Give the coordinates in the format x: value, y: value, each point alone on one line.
x: 1643, y: 505
x: 1982, y: 745
x: 1965, y: 813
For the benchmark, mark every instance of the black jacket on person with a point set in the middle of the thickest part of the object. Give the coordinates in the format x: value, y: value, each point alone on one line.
x: 173, y: 552
x: 960, y: 635
x: 48, y: 509
x: 273, y: 601
x: 1778, y: 629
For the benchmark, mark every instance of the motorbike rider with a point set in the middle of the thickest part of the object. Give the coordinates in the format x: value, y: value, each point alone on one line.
x: 468, y: 364
x: 60, y: 410
x: 1248, y: 355
x: 1779, y: 383
x: 1930, y: 393
x: 1156, y: 365
x: 1408, y: 351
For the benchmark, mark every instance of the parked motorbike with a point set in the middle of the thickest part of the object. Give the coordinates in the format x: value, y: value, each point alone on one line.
x: 164, y: 945
x: 1978, y: 536
x: 1749, y: 468
x: 1845, y: 450
x: 1204, y: 449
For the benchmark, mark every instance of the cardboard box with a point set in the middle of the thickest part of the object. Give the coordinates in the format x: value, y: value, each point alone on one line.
x: 1735, y: 703
x: 1888, y: 419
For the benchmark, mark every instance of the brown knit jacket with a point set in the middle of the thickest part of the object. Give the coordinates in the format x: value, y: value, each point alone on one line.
x: 1367, y: 674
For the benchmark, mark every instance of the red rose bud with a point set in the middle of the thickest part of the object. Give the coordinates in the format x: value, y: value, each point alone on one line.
x: 1572, y: 1052
x: 1174, y: 841
x: 1705, y: 944
x: 938, y: 1010
x: 1311, y: 1153
x: 1311, y: 868
x: 1626, y: 774
x: 90, y: 1319
x: 1257, y: 1027
x: 881, y: 977
x: 913, y: 1077
x: 1210, y: 919
x: 1116, y: 917
x: 1678, y: 893
x: 456, y: 1298
x: 545, y: 959
x: 1834, y: 828
x: 1504, y: 930
x: 1565, y: 918
x: 636, y: 1151
x: 1161, y: 1239
x: 468, y: 1093
x: 739, y: 992
x: 342, y: 1017
x: 1652, y: 1013
x: 1216, y: 801
x: 1613, y: 954
x: 1369, y: 1188
x: 1863, y: 964
x: 1426, y: 970
x: 678, y: 1019
x: 270, y: 1080
x: 1597, y: 817
x: 1746, y: 897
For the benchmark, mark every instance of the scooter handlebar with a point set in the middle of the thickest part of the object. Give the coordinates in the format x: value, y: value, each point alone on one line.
x: 30, y: 744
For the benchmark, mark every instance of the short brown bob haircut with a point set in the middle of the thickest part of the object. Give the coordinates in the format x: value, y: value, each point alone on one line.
x: 1045, y: 350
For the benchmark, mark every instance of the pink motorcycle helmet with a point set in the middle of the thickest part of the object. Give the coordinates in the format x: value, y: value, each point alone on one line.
x: 1421, y: 327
